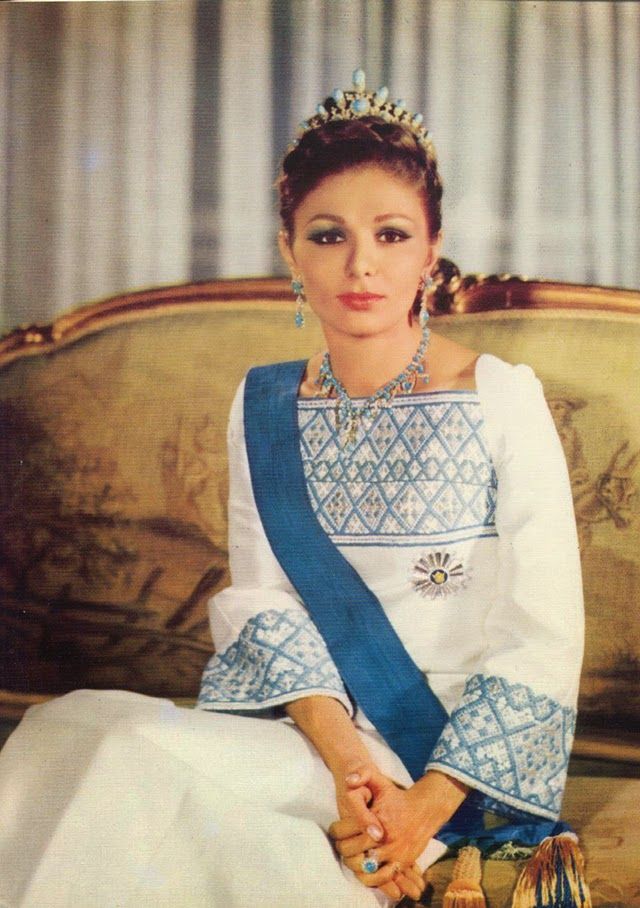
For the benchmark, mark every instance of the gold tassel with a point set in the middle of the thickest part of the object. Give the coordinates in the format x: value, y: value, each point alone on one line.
x: 553, y: 877
x: 464, y: 890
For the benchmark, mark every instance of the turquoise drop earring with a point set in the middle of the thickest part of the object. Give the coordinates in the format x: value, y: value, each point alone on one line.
x: 426, y: 287
x: 298, y: 289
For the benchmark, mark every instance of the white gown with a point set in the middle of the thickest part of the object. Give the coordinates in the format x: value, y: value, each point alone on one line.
x: 456, y: 510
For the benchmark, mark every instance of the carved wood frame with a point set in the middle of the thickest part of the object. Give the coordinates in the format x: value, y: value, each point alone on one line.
x: 453, y: 294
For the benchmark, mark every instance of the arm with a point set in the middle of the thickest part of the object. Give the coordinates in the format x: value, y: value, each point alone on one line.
x: 433, y: 799
x: 268, y: 651
x: 510, y: 735
x: 326, y: 724
x: 360, y: 784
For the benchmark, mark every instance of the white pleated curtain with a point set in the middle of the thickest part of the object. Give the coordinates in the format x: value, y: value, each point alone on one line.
x: 97, y: 151
x: 141, y: 140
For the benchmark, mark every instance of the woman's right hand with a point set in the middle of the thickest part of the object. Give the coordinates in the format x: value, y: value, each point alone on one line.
x: 353, y: 801
x: 364, y: 831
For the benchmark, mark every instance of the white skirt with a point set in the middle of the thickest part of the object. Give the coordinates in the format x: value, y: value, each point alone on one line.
x: 110, y: 799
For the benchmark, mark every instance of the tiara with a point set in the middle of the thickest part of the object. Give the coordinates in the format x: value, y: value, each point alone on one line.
x: 358, y: 102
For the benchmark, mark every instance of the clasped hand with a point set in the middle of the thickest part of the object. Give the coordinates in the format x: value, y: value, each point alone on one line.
x: 379, y: 819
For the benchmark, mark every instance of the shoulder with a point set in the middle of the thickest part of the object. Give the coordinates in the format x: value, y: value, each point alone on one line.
x: 261, y: 383
x: 515, y: 412
x: 451, y: 365
x: 496, y: 377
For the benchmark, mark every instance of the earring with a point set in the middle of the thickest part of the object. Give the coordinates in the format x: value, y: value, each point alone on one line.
x: 426, y: 285
x: 298, y: 289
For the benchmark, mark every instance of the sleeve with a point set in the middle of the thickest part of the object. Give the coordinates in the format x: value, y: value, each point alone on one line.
x: 268, y: 650
x: 510, y: 735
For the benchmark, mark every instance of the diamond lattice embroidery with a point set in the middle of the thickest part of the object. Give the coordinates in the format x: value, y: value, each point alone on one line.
x: 421, y: 467
x: 277, y: 653
x: 511, y: 741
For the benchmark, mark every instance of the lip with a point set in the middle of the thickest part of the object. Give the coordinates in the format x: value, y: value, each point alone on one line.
x: 359, y: 300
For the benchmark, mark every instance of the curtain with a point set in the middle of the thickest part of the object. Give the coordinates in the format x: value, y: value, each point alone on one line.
x: 97, y: 150
x: 140, y: 141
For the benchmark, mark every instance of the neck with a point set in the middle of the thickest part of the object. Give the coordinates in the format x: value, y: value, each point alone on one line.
x: 365, y: 364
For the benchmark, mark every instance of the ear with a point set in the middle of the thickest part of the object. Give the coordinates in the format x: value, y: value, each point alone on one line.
x: 284, y: 245
x: 433, y: 254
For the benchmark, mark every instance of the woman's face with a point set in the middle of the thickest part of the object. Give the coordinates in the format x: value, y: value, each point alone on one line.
x: 360, y: 245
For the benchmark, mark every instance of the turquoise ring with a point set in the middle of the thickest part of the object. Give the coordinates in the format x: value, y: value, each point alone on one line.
x: 370, y: 863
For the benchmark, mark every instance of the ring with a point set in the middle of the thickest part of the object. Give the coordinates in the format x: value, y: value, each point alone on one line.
x: 370, y: 863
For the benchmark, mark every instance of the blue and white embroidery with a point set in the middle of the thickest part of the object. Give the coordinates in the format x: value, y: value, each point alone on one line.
x: 418, y: 471
x: 509, y: 743
x: 438, y: 575
x: 276, y: 654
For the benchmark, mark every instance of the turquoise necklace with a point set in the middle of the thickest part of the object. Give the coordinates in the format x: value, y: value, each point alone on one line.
x: 349, y: 416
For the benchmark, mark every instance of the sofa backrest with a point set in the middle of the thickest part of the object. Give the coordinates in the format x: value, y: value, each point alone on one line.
x: 113, y: 473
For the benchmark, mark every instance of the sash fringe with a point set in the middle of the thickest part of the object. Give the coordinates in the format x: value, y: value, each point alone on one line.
x: 464, y: 890
x: 553, y: 877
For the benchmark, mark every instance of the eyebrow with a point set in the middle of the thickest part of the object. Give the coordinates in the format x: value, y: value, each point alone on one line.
x: 339, y: 220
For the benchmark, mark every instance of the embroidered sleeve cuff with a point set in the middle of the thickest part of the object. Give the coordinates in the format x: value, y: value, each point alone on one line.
x: 509, y: 744
x: 279, y: 656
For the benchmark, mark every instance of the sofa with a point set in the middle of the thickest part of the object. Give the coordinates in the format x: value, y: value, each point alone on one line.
x: 113, y: 503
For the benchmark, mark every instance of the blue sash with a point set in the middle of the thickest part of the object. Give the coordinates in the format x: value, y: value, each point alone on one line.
x: 374, y: 665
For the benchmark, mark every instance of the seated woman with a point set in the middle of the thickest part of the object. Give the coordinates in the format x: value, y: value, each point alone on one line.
x: 397, y: 658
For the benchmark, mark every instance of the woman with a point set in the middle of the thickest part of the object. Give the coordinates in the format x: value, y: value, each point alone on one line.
x: 397, y: 509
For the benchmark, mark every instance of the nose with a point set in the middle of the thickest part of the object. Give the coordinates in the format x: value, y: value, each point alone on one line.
x: 362, y: 260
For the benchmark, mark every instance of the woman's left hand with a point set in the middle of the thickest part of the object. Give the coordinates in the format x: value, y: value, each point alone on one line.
x: 410, y: 818
x: 392, y: 878
x: 407, y: 825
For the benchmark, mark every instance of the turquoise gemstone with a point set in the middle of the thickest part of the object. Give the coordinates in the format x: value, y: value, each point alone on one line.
x: 382, y: 94
x: 338, y: 95
x: 359, y: 79
x: 360, y: 105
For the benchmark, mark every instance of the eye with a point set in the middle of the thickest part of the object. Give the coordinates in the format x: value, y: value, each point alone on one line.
x: 327, y: 237
x: 393, y: 235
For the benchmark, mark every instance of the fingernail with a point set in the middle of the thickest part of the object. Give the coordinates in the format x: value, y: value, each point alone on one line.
x: 353, y: 778
x: 375, y: 832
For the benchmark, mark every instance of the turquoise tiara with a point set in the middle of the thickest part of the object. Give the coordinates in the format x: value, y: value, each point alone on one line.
x: 358, y: 102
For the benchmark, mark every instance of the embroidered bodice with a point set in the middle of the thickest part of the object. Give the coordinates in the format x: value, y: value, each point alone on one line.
x: 421, y: 469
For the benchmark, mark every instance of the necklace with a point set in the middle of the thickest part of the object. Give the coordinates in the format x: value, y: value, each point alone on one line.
x: 349, y: 417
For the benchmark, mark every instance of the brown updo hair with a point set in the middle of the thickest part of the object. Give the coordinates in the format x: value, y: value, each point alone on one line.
x: 340, y: 145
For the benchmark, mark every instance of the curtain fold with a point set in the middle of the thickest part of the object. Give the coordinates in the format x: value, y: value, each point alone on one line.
x: 98, y: 151
x: 140, y: 140
x: 244, y: 174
